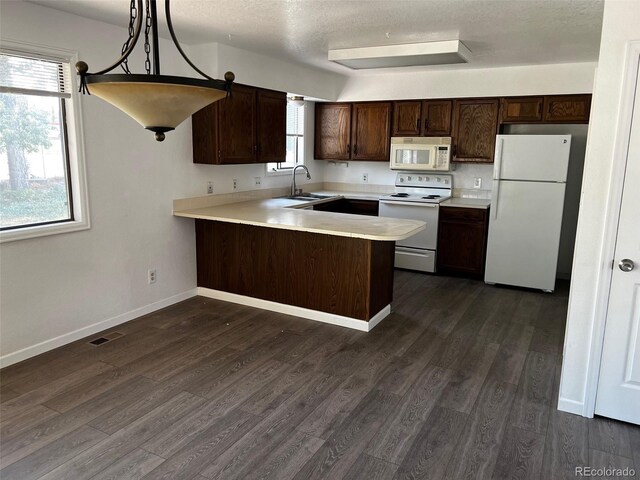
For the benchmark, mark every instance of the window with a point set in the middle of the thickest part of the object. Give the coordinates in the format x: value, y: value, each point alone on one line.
x: 295, y: 140
x: 42, y: 188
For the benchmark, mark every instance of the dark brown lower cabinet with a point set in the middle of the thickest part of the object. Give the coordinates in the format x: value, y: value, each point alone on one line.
x: 462, y: 241
x: 352, y: 277
x: 350, y: 205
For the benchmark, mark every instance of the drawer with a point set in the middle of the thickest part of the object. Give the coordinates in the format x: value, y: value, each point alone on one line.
x: 413, y: 259
x: 462, y: 214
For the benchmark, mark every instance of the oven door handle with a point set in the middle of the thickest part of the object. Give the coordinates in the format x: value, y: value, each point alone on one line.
x: 410, y: 204
x: 412, y: 252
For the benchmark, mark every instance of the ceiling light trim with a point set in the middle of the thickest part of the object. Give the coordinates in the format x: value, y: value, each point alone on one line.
x: 403, y: 55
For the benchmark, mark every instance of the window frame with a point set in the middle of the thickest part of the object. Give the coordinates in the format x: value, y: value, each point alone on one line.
x: 74, y: 145
x: 270, y: 171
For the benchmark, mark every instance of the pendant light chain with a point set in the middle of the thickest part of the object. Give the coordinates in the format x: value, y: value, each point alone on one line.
x: 147, y: 46
x: 133, y: 13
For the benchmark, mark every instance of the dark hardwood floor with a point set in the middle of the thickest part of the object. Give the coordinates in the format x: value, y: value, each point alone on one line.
x: 461, y: 381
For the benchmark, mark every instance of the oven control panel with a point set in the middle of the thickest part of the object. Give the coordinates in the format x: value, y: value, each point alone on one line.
x: 421, y: 180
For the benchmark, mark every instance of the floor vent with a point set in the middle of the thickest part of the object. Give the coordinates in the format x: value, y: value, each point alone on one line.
x: 106, y: 338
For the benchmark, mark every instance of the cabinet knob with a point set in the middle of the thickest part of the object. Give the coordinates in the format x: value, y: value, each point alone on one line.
x: 418, y: 125
x: 426, y: 124
x: 355, y: 149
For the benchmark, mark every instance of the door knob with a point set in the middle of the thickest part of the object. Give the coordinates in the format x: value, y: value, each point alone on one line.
x: 626, y: 265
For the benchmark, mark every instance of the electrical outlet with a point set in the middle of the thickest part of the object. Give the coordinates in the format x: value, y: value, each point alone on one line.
x: 257, y: 181
x: 235, y: 183
x: 477, y: 182
x: 365, y: 178
x: 151, y: 276
x: 209, y: 187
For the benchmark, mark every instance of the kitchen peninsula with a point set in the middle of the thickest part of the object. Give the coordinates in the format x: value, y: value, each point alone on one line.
x: 279, y: 255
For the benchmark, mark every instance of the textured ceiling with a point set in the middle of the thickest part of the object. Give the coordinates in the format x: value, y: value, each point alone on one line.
x: 498, y: 32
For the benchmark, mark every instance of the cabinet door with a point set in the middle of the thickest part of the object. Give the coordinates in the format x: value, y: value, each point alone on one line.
x: 204, y: 134
x: 271, y: 126
x: 437, y: 118
x: 407, y: 117
x: 567, y: 108
x: 475, y: 124
x: 370, y: 131
x: 237, y: 126
x: 332, y: 131
x: 462, y: 241
x: 521, y: 109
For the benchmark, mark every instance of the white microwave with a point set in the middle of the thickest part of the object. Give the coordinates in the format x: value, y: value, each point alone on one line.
x: 420, y: 153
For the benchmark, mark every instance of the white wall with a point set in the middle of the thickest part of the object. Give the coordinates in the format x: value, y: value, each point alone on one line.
x: 456, y: 83
x: 55, y: 285
x: 621, y: 20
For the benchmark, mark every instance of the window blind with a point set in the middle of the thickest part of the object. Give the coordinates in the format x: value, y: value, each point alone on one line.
x: 34, y: 76
x: 295, y: 120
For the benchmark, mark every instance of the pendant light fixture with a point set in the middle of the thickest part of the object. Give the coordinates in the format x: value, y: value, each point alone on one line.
x: 296, y: 100
x: 157, y: 102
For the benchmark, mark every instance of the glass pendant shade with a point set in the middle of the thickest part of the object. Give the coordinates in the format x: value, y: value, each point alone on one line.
x: 159, y: 103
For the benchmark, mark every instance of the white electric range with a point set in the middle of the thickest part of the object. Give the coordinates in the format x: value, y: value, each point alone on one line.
x: 417, y: 197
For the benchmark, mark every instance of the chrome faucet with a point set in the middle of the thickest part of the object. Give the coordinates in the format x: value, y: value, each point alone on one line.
x: 297, y: 191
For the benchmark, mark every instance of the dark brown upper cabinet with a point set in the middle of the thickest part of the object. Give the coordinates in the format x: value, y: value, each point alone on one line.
x: 430, y: 118
x: 332, y: 131
x: 521, y: 109
x: 352, y: 131
x: 407, y: 118
x: 371, y: 123
x: 247, y: 127
x: 437, y: 118
x: 547, y: 109
x: 567, y: 108
x: 475, y: 125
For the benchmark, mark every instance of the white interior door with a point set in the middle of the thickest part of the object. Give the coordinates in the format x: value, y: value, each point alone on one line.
x: 619, y: 384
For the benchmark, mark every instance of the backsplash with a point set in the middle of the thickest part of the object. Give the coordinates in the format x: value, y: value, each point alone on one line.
x: 379, y: 174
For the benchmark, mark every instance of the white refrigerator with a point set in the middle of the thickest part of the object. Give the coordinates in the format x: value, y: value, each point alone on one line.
x: 529, y: 179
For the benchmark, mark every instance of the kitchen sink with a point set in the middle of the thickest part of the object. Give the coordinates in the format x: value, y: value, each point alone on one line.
x: 308, y: 197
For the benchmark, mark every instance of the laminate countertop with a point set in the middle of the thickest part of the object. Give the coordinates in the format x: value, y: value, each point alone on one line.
x: 290, y: 214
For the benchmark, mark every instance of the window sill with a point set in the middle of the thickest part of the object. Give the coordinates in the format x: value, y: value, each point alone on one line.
x: 43, y: 230
x: 278, y: 173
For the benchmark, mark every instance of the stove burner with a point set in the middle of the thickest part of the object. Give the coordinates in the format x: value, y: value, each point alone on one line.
x: 400, y: 195
x: 431, y: 197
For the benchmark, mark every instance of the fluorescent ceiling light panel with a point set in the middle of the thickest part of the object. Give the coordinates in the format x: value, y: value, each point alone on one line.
x: 406, y: 55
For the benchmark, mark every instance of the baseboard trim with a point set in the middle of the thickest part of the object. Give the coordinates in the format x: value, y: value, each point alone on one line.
x: 61, y: 340
x: 316, y: 315
x: 571, y: 406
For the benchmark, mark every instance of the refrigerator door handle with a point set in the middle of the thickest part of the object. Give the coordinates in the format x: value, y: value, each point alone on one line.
x: 497, y: 168
x: 494, y: 200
